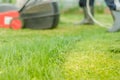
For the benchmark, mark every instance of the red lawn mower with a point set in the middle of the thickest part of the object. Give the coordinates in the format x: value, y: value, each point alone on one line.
x: 34, y: 14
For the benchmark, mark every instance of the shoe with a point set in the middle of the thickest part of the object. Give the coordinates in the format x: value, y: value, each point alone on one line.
x: 116, y: 19
x: 87, y: 19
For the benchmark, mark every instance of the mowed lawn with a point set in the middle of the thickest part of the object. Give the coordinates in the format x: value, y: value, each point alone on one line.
x: 69, y: 52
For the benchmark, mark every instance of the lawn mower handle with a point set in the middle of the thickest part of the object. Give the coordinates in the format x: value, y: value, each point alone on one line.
x: 22, y: 8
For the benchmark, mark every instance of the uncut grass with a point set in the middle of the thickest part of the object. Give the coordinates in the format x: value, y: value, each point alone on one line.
x: 68, y: 52
x: 33, y: 54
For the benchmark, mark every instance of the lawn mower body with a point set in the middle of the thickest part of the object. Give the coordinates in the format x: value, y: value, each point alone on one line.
x: 36, y: 14
x: 40, y: 15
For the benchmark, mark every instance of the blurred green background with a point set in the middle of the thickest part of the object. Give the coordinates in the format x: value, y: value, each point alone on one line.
x: 66, y: 5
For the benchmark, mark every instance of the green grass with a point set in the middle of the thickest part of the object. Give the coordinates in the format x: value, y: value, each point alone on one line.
x: 68, y: 52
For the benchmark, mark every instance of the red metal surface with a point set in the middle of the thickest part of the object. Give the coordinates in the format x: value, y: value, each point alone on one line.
x: 10, y: 19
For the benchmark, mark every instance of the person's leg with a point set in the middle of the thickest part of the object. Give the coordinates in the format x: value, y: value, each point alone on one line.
x: 114, y: 8
x: 87, y: 19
